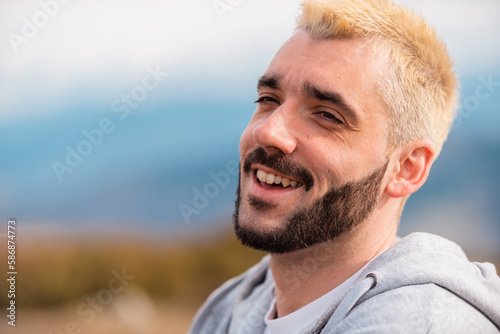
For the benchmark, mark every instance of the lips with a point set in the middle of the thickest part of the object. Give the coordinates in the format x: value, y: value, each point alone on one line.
x: 277, y: 180
x: 274, y: 171
x: 272, y: 187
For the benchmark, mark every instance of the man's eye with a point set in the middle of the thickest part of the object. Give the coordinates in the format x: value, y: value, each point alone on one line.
x: 265, y: 99
x: 330, y: 117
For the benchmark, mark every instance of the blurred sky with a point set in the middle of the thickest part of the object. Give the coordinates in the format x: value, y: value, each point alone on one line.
x: 66, y: 73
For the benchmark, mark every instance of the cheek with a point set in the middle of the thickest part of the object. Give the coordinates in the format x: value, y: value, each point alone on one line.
x: 334, y: 164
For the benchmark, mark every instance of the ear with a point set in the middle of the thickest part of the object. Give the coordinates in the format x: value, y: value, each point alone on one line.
x: 412, y: 165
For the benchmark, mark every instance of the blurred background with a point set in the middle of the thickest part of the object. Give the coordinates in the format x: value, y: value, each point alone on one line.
x: 119, y: 131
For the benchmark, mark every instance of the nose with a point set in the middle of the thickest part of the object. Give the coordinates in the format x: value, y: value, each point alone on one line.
x: 274, y: 133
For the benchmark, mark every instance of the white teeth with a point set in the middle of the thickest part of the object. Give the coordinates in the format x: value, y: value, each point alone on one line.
x: 261, y: 175
x: 285, y: 182
x: 276, y: 179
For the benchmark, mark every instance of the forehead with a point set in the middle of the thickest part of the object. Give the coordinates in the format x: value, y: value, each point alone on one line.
x: 355, y: 57
x: 350, y: 68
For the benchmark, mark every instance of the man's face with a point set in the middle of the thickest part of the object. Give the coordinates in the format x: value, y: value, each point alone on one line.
x: 313, y: 157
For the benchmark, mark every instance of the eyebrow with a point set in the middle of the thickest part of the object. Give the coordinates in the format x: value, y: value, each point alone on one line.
x: 271, y: 81
x: 333, y: 98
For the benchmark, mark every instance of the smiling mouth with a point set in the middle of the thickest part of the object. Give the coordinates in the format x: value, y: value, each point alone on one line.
x: 274, y: 181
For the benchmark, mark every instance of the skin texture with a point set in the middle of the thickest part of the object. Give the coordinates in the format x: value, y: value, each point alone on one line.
x: 337, y: 141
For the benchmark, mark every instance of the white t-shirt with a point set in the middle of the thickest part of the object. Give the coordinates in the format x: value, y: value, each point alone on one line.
x: 307, y: 315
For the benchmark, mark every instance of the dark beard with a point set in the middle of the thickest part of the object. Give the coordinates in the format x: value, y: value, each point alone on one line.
x: 338, y: 212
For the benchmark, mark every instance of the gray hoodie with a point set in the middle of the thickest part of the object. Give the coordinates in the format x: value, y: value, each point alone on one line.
x: 422, y: 284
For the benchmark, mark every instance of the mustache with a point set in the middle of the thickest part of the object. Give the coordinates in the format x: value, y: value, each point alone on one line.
x: 280, y: 163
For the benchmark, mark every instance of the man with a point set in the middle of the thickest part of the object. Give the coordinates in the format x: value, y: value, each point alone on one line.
x: 351, y: 114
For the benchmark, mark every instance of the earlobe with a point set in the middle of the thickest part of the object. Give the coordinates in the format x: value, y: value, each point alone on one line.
x: 412, y: 165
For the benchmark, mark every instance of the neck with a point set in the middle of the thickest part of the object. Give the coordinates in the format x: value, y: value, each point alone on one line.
x: 305, y: 275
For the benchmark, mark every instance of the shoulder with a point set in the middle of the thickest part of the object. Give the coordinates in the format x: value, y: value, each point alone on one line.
x: 426, y: 308
x: 423, y: 284
x: 215, y: 314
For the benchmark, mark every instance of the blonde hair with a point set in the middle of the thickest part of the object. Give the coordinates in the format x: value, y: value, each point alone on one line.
x: 420, y: 88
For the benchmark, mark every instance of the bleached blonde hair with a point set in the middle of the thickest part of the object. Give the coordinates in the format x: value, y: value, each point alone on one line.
x: 420, y: 87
